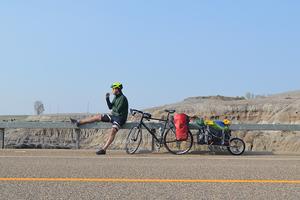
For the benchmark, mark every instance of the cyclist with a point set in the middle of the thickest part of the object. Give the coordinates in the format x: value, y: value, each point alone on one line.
x: 118, y: 116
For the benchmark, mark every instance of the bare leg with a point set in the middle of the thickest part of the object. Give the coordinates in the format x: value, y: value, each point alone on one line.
x: 111, y: 138
x: 96, y: 118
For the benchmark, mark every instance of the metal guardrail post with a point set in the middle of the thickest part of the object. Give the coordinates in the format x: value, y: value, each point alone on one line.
x: 77, y: 132
x: 2, y: 132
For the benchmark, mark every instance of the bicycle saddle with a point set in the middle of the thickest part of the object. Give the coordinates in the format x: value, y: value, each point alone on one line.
x: 170, y: 111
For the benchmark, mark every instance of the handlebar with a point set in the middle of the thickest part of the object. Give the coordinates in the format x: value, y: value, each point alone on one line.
x: 145, y: 115
x: 134, y: 111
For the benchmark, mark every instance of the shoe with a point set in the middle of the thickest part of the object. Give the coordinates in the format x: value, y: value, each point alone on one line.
x: 100, y: 152
x: 74, y: 121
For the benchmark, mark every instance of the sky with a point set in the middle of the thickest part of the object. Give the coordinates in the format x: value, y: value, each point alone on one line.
x: 68, y: 53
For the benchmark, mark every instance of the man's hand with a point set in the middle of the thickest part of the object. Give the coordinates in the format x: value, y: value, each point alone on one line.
x: 107, y: 95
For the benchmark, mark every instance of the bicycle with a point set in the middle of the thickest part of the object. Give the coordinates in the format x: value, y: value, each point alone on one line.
x: 166, y: 138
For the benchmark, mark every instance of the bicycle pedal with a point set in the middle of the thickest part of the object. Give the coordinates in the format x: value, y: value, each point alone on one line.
x: 157, y: 149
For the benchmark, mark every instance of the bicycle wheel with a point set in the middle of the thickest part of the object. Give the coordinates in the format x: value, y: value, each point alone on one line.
x: 236, y: 146
x: 177, y: 147
x: 133, y: 140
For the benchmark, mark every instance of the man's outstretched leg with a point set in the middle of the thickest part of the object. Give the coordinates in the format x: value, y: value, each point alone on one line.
x: 108, y: 142
x: 96, y: 118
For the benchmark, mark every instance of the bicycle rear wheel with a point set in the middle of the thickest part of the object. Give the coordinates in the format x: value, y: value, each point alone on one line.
x: 177, y: 147
x: 133, y: 140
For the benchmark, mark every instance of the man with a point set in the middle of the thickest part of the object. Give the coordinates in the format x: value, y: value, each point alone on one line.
x: 118, y: 116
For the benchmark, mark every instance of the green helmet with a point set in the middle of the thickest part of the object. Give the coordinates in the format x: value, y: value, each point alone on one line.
x: 117, y: 85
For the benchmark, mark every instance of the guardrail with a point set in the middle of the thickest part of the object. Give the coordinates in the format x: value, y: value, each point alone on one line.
x: 129, y: 125
x: 62, y: 125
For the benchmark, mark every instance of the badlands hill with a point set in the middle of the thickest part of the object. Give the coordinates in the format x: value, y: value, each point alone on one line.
x: 281, y: 108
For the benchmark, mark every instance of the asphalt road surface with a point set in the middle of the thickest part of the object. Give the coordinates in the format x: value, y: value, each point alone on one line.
x: 80, y: 174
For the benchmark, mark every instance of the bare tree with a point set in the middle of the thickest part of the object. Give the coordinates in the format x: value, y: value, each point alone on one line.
x: 39, y: 107
x: 249, y: 95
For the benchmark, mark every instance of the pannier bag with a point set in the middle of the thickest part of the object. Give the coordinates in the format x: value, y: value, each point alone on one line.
x: 181, y: 122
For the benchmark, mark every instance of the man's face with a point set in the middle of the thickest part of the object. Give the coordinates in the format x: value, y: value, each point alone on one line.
x: 115, y: 91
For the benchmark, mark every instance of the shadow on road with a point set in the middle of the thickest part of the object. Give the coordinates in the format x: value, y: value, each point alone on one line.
x: 201, y: 152
x: 246, y: 153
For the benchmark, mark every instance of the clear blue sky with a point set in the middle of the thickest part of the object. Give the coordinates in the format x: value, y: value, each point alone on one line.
x: 67, y: 53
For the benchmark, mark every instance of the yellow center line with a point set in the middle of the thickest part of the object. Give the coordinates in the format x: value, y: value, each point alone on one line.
x: 124, y: 180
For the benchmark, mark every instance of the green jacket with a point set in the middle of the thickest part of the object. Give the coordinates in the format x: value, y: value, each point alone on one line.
x: 119, y: 106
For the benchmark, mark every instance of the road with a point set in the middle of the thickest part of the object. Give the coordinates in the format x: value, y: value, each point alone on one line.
x: 80, y: 174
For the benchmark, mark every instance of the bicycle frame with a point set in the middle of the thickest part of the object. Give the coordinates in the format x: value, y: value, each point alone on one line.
x: 167, y: 121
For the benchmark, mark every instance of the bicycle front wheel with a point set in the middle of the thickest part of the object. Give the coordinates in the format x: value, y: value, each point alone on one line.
x: 133, y: 140
x: 177, y: 147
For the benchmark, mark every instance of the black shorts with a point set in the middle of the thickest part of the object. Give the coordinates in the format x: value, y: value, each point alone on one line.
x: 117, y: 122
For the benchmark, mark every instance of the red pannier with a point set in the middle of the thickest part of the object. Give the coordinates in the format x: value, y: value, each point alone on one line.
x: 181, y: 122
